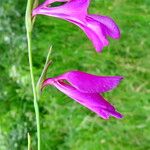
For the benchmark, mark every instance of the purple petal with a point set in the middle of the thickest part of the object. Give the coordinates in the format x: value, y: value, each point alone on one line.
x: 88, y: 83
x: 94, y: 31
x: 110, y: 27
x: 92, y: 101
x: 74, y: 9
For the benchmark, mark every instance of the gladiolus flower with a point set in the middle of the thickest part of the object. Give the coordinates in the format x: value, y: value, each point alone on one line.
x: 86, y: 89
x: 96, y: 27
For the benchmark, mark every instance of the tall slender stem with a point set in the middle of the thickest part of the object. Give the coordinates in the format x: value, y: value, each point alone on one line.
x: 29, y: 142
x: 28, y: 21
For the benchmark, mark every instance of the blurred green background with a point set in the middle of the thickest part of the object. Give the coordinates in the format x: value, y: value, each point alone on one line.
x: 66, y: 125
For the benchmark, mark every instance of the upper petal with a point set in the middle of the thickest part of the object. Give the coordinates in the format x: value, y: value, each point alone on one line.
x: 73, y: 8
x: 110, y: 27
x: 89, y: 83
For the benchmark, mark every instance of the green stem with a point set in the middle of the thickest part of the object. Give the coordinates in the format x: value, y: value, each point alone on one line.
x: 29, y: 142
x: 28, y: 21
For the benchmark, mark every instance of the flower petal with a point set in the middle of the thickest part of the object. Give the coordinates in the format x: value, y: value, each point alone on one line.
x: 110, y: 27
x: 92, y: 101
x: 94, y: 31
x: 88, y: 83
x: 73, y: 9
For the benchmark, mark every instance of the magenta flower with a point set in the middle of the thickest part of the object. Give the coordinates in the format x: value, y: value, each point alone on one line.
x: 96, y: 27
x: 85, y: 88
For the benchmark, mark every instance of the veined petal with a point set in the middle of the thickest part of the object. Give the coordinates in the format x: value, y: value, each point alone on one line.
x: 93, y: 30
x: 88, y: 83
x: 110, y: 27
x: 92, y: 101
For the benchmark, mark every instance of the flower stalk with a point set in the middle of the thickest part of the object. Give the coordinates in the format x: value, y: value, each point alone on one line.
x: 29, y: 142
x: 28, y: 22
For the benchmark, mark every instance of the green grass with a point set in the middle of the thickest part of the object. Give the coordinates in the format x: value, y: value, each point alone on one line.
x: 65, y: 124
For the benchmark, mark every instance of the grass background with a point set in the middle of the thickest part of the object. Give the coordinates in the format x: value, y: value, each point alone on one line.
x: 66, y: 125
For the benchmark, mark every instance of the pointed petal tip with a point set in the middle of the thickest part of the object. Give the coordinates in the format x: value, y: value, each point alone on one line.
x: 118, y: 36
x: 106, y: 114
x: 121, y: 77
x: 98, y: 49
x: 117, y: 115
